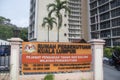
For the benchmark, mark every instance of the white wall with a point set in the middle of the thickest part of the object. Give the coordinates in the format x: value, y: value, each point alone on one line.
x: 42, y: 33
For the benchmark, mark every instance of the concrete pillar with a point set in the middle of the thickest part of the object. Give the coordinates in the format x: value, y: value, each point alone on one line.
x: 14, y: 58
x: 97, y: 61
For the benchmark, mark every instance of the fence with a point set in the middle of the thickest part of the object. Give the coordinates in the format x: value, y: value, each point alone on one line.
x: 4, y: 61
x: 5, y: 53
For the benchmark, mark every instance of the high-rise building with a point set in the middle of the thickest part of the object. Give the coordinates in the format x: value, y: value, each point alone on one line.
x: 74, y: 26
x: 105, y: 20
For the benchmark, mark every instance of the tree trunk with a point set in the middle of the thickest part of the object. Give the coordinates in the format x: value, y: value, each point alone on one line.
x: 48, y: 33
x: 58, y: 31
x: 58, y: 35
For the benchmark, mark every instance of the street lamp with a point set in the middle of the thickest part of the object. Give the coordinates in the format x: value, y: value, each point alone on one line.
x: 97, y: 35
x: 16, y: 32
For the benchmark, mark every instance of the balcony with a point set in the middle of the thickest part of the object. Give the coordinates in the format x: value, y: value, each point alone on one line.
x: 74, y: 28
x: 73, y: 2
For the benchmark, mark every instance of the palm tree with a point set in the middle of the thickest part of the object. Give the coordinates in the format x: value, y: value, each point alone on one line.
x: 49, y: 22
x: 56, y: 8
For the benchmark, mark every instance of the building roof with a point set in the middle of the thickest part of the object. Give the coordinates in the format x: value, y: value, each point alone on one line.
x: 3, y: 42
x: 79, y: 41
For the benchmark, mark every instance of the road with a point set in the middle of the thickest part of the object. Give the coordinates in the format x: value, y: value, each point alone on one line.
x: 110, y: 73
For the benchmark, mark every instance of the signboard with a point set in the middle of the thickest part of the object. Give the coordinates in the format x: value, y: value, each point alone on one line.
x: 55, y: 57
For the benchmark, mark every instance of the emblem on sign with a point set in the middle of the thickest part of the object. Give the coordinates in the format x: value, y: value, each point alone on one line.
x: 30, y: 48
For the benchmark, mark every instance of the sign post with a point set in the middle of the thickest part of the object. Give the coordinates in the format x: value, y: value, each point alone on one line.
x: 14, y: 58
x: 97, y: 52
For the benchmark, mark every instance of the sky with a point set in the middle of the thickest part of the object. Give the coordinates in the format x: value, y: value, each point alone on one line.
x: 16, y: 10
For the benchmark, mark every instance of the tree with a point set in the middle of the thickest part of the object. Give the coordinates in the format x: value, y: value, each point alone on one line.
x: 6, y: 32
x: 49, y: 77
x: 6, y: 29
x: 24, y: 34
x: 4, y: 20
x: 49, y: 21
x: 56, y: 8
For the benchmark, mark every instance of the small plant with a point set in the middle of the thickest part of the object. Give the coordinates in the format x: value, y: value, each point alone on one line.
x: 83, y: 79
x: 49, y: 77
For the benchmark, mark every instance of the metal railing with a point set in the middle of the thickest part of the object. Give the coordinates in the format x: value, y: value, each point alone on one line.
x: 4, y: 61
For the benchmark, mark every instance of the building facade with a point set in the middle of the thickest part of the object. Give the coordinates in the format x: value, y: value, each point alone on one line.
x: 74, y: 26
x: 105, y: 20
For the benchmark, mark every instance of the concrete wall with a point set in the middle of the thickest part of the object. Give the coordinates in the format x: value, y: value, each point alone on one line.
x: 84, y: 14
x: 61, y: 76
x: 97, y: 66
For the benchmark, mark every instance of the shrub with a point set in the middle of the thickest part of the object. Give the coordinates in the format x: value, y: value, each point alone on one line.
x: 117, y: 48
x: 49, y: 77
x: 108, y: 52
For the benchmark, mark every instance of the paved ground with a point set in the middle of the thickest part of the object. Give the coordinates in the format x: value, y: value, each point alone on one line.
x: 110, y: 73
x: 4, y: 76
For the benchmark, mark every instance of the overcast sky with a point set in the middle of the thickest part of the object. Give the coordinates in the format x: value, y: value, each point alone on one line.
x: 16, y: 10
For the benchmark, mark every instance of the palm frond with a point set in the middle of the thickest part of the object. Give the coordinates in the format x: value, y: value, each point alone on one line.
x: 67, y: 9
x: 57, y: 1
x: 63, y: 3
x: 50, y: 12
x: 43, y: 24
x: 53, y: 18
x: 46, y: 19
x: 51, y: 6
x: 55, y: 22
x: 49, y: 22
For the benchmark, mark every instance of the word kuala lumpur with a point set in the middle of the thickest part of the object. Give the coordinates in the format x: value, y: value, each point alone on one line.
x: 60, y: 48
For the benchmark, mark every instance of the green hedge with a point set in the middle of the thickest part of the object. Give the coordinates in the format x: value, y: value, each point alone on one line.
x: 108, y: 51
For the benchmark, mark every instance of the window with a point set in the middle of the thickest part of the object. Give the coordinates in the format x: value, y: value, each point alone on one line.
x: 93, y: 27
x: 116, y: 22
x: 93, y: 35
x: 116, y: 42
x: 108, y: 42
x: 93, y: 20
x: 65, y: 25
x: 116, y: 32
x: 102, y: 1
x: 65, y: 34
x: 65, y: 15
x: 115, y: 3
x: 93, y: 12
x: 105, y: 16
x: 105, y: 25
x: 105, y: 33
x: 92, y: 0
x: 104, y: 8
x: 115, y: 13
x: 93, y: 5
